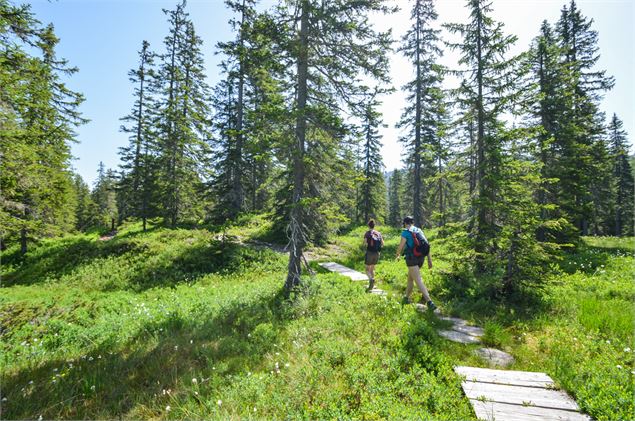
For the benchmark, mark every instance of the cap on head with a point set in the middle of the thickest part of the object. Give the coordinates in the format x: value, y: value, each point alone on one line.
x: 408, y: 220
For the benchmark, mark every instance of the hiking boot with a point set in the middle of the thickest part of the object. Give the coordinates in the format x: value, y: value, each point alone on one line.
x: 406, y: 300
x: 431, y: 305
x: 371, y: 285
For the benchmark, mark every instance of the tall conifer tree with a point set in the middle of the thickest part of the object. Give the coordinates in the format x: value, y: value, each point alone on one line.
x: 422, y: 116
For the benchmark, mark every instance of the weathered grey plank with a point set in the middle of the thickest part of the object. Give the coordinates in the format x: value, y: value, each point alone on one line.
x: 470, y: 330
x: 503, y: 411
x: 519, y: 395
x: 378, y: 291
x: 510, y: 377
x: 454, y: 320
x: 343, y: 270
x: 455, y: 336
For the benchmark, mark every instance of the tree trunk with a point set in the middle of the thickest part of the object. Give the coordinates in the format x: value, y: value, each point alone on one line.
x: 112, y: 224
x: 416, y: 214
x: 296, y: 241
x: 238, y: 164
x: 23, y: 240
x: 482, y: 220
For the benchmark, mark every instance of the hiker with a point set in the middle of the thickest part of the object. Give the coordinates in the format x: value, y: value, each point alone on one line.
x: 417, y: 249
x: 374, y: 242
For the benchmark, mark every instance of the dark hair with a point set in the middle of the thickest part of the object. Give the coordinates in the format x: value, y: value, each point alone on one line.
x: 408, y: 220
x: 371, y: 224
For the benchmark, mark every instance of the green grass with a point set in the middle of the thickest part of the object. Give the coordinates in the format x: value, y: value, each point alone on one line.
x: 180, y: 324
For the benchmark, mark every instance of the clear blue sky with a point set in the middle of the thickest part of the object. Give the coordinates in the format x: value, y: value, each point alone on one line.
x: 102, y: 38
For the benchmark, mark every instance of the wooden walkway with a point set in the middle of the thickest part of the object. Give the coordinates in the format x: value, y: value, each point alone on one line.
x: 516, y: 396
x: 343, y: 270
x: 352, y: 274
x: 496, y: 394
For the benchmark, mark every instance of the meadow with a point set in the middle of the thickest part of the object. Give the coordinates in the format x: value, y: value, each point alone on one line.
x: 193, y: 323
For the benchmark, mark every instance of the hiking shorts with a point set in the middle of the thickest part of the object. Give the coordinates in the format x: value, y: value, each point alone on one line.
x: 414, y: 260
x: 372, y: 257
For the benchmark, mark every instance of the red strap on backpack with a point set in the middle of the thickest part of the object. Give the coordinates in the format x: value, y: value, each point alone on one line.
x: 415, y: 249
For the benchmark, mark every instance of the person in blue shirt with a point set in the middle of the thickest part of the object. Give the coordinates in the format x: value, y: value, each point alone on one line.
x: 413, y: 262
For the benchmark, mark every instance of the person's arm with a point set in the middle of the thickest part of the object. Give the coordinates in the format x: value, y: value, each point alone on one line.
x: 429, y: 261
x: 400, y: 248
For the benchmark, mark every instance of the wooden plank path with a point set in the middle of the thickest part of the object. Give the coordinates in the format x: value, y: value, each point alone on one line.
x: 516, y: 395
x: 496, y: 394
x: 343, y: 270
x: 352, y: 274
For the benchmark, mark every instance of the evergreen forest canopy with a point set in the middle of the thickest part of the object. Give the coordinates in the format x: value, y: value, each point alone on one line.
x: 292, y: 131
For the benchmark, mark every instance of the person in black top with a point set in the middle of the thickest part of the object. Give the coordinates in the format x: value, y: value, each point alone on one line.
x: 374, y: 242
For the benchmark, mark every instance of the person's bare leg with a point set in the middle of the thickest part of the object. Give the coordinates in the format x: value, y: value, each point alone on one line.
x: 370, y: 272
x: 417, y: 276
x: 410, y: 283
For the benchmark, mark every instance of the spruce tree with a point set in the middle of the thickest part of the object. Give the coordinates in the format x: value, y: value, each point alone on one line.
x: 249, y: 113
x: 184, y: 119
x: 331, y: 43
x: 486, y: 92
x: 623, y: 185
x: 373, y: 186
x: 394, y: 199
x: 580, y: 137
x: 39, y: 114
x: 139, y: 157
x: 421, y: 118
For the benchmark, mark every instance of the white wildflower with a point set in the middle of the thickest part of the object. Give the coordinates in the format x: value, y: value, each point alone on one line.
x: 219, y: 402
x: 167, y: 408
x: 286, y: 365
x: 627, y: 349
x: 194, y: 380
x: 619, y: 366
x: 608, y: 342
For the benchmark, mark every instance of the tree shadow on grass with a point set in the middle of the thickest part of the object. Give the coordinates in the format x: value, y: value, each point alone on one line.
x: 197, y: 261
x: 191, y: 262
x: 62, y: 258
x: 153, y: 368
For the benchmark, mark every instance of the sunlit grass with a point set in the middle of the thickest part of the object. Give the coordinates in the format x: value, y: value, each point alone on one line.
x: 183, y: 324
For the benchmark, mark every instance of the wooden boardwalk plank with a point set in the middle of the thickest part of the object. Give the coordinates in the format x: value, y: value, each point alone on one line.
x: 469, y: 330
x: 519, y: 395
x: 517, y: 378
x: 343, y: 270
x: 455, y: 336
x: 501, y: 411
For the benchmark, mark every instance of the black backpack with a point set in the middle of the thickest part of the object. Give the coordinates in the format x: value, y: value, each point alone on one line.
x: 421, y: 245
x: 373, y: 241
